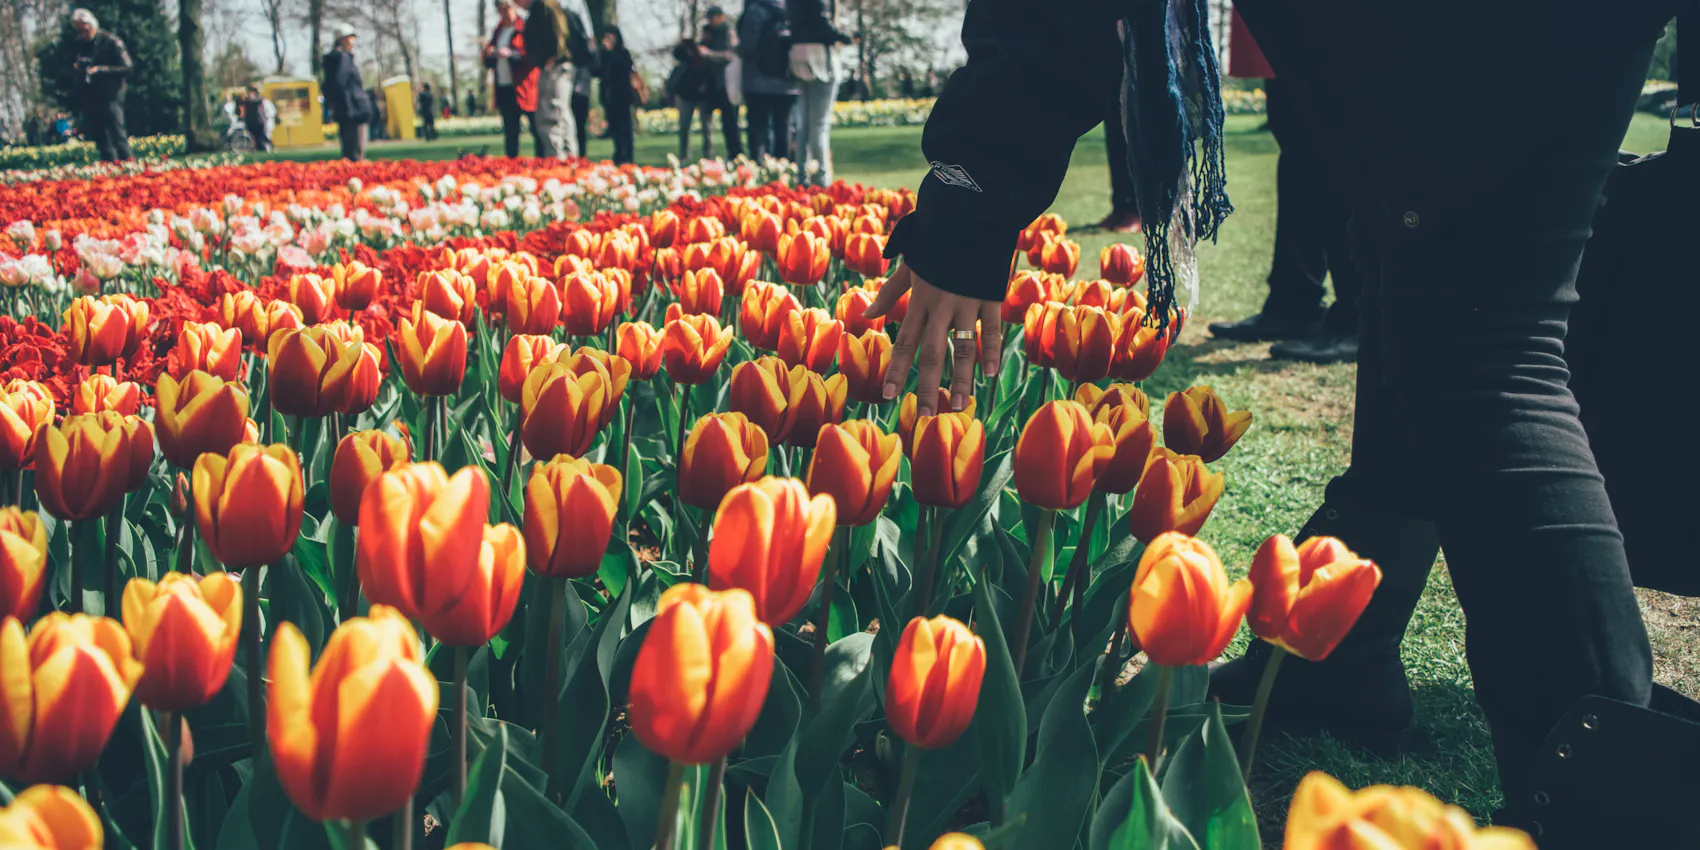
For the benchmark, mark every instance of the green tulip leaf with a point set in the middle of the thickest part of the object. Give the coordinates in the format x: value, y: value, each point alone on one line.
x: 641, y: 782
x: 1000, y: 719
x: 846, y: 699
x: 962, y: 522
x: 759, y: 831
x: 482, y: 815
x: 159, y: 765
x: 1056, y: 792
x: 1133, y: 816
x: 1204, y: 788
x: 537, y: 823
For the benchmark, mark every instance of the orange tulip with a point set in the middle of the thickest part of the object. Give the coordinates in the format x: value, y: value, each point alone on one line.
x: 640, y: 344
x: 102, y: 392
x: 617, y: 369
x: 62, y: 694
x: 692, y: 348
x: 314, y: 296
x: 810, y: 402
x: 1061, y: 455
x: 570, y: 505
x: 1121, y: 264
x: 87, y: 463
x: 356, y: 284
x: 23, y: 562
x: 810, y: 338
x: 1082, y: 343
x: 589, y: 302
x: 24, y: 407
x: 802, y: 258
x: 1307, y: 598
x: 763, y: 311
x: 184, y: 631
x: 487, y: 605
x: 666, y: 265
x: 908, y: 412
x: 313, y: 372
x: 243, y: 312
x: 533, y: 306
x: 1099, y: 293
x: 348, y: 740
x: 725, y: 255
x: 1038, y: 332
x: 523, y: 353
x: 946, y: 459
x: 563, y: 410
x: 862, y: 360
x: 856, y: 464
x: 663, y: 228
x: 849, y: 311
x: 50, y: 817
x: 831, y: 229
x: 1134, y: 438
x: 1140, y: 348
x: 100, y: 331
x: 616, y: 249
x: 1059, y: 256
x: 1325, y: 815
x: 1026, y: 289
x: 701, y: 676
x: 208, y: 348
x: 1033, y: 236
x: 739, y: 274
x: 700, y: 291
x: 431, y: 351
x: 769, y: 539
x: 276, y: 316
x: 864, y: 253
x: 420, y: 534
x: 1181, y: 609
x: 1114, y: 395
x: 248, y: 504
x: 448, y: 293
x: 502, y: 277
x: 359, y: 459
x: 202, y: 413
x: 703, y: 228
x: 934, y: 684
x: 759, y: 389
x: 1176, y: 493
x: 722, y: 451
x: 1197, y: 422
x: 761, y: 230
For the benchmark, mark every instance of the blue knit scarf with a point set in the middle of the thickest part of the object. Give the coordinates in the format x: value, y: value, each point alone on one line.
x: 1172, y: 106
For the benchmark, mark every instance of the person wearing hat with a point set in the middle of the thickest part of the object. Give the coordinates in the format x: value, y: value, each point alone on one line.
x: 719, y: 48
x: 345, y: 94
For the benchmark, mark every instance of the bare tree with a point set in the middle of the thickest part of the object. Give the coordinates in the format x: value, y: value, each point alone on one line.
x: 316, y: 23
x: 278, y: 14
x: 22, y: 22
x: 198, y: 133
x: 449, y: 33
x: 900, y: 32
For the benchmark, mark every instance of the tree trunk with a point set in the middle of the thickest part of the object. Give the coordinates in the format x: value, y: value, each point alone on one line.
x: 449, y: 33
x: 483, y: 33
x: 197, y: 124
x: 277, y: 39
x: 862, y: 49
x: 315, y: 22
x: 603, y: 14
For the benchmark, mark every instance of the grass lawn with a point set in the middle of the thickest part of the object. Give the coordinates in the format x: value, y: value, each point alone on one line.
x: 1301, y: 438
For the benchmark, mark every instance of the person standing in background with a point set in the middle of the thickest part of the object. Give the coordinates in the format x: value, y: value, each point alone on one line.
x: 689, y: 88
x: 812, y: 39
x: 103, y: 64
x: 581, y: 48
x: 719, y: 47
x: 620, y: 93
x: 345, y: 94
x: 427, y: 113
x: 516, y: 90
x: 252, y: 108
x: 764, y: 43
x: 471, y: 104
x: 545, y: 42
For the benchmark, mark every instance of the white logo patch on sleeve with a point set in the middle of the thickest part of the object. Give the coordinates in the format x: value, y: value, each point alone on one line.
x: 955, y: 175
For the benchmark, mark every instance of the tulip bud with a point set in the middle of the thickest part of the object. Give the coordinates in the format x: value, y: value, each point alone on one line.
x: 640, y: 344
x: 722, y: 451
x: 589, y: 302
x: 701, y: 677
x: 1197, y: 422
x: 100, y: 331
x: 769, y: 539
x: 359, y: 459
x: 700, y: 291
x: 487, y: 605
x: 862, y: 360
x: 184, y: 631
x: 1325, y: 814
x: 956, y: 841
x: 802, y: 258
x: 761, y: 229
x: 810, y: 402
x: 1134, y: 439
x: 864, y: 253
x: 98, y: 393
x: 201, y: 414
x: 248, y: 504
x: 23, y: 563
x: 533, y: 306
x: 356, y: 285
x: 1061, y: 455
x: 1307, y: 598
x: 898, y: 311
x: 1176, y: 493
x: 934, y: 684
x: 179, y: 504
x: 618, y: 370
x: 1140, y: 348
x: 420, y: 533
x: 908, y: 413
x: 810, y: 338
x: 1081, y: 343
x: 50, y: 816
x: 65, y: 690
x: 570, y: 505
x: 851, y: 305
x: 663, y: 228
x: 1120, y: 264
x: 764, y: 310
x: 348, y: 739
x: 315, y: 372
x: 1060, y: 256
x: 563, y: 409
x: 946, y: 459
x: 703, y: 228
x: 208, y: 348
x: 523, y: 353
x: 1034, y: 234
x: 314, y: 296
x: 431, y: 352
x: 1181, y: 608
x: 87, y: 463
x: 24, y: 407
x: 276, y: 316
x: 1114, y: 395
x: 1038, y: 332
x: 759, y: 389
x: 692, y: 348
x: 856, y: 464
x: 448, y: 293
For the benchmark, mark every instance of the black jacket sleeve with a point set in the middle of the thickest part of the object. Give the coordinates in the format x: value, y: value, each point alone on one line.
x: 542, y: 39
x: 1000, y: 136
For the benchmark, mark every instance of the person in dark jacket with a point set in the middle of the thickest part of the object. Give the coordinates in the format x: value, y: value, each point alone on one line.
x: 545, y: 50
x: 716, y: 40
x: 581, y: 47
x: 813, y: 64
x: 102, y: 64
x: 764, y: 43
x: 690, y: 89
x: 427, y: 113
x: 618, y: 96
x: 1466, y: 434
x: 345, y: 94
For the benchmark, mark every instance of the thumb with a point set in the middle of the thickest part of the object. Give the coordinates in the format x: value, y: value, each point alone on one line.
x: 889, y: 294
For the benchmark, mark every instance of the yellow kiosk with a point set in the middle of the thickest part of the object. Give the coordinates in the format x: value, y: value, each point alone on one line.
x: 398, y: 97
x: 298, y: 112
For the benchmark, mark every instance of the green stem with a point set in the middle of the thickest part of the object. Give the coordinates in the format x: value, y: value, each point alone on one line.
x: 18, y: 488
x: 664, y: 831
x: 251, y: 657
x: 402, y: 837
x: 1039, y: 540
x: 552, y: 673
x: 930, y: 566
x: 835, y: 554
x: 1259, y: 707
x: 626, y: 451
x: 711, y: 803
x: 679, y: 451
x: 354, y: 834
x: 76, y: 600
x: 463, y: 656
x: 186, y: 549
x: 699, y: 547
x: 1079, y: 567
x: 1159, y: 714
x: 905, y: 790
x: 1113, y: 662
x: 109, y: 601
x: 514, y: 448
x: 173, y: 780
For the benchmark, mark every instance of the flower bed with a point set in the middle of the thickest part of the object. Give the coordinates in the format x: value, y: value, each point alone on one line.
x: 596, y: 528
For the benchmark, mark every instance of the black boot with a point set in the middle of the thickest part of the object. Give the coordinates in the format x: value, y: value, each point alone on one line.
x: 1359, y: 693
x: 1269, y: 325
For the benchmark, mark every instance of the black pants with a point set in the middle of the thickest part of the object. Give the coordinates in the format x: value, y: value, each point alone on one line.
x: 507, y: 103
x: 1124, y: 198
x: 103, y: 123
x: 1311, y: 236
x: 257, y: 129
x: 428, y: 126
x: 581, y: 120
x: 770, y: 124
x: 718, y: 101
x: 620, y: 130
x: 352, y: 136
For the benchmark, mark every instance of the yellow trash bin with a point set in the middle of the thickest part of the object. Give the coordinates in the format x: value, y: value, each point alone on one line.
x: 398, y: 96
x: 298, y: 114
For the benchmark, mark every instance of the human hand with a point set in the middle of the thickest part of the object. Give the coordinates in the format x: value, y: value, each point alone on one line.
x: 933, y: 313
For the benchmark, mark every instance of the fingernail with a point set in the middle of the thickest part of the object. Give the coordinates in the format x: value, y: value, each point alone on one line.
x: 958, y: 401
x: 991, y: 369
x: 890, y: 391
x: 924, y: 411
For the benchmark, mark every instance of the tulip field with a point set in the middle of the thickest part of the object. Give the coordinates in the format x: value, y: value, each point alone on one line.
x: 552, y: 504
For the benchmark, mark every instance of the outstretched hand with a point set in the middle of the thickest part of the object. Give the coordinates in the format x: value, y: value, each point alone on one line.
x: 933, y: 314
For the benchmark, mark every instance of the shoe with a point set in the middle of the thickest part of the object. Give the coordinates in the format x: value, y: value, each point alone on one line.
x: 1359, y: 694
x: 1322, y: 347
x: 1265, y: 326
x: 1119, y: 222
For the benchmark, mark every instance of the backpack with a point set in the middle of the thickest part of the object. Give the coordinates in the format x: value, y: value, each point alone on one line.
x: 773, y: 49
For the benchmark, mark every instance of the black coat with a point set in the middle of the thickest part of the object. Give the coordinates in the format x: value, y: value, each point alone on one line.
x: 106, y: 52
x: 345, y: 92
x: 617, y: 77
x: 543, y: 37
x: 810, y: 25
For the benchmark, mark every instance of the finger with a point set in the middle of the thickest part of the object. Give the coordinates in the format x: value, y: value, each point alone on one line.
x: 889, y: 293
x: 934, y: 342
x: 903, y: 350
x: 963, y: 354
x: 991, y: 338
